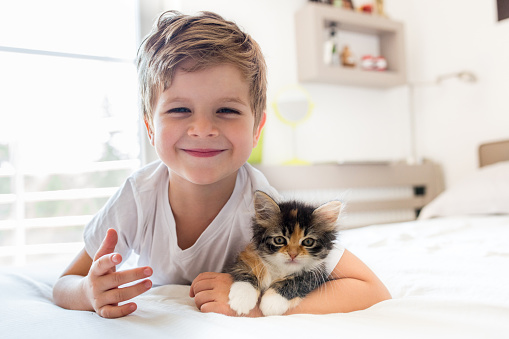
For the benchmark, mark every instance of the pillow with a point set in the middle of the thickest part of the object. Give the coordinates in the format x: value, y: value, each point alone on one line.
x: 485, y: 192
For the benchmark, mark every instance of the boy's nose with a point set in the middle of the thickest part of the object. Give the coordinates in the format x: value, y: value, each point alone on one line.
x: 203, y: 127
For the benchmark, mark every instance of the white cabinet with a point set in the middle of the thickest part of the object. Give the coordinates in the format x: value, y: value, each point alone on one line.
x: 311, y: 23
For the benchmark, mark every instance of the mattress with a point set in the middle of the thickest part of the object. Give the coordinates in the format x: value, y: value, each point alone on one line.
x: 448, y: 276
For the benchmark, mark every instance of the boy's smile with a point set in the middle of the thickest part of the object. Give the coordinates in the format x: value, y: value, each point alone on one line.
x: 203, y: 124
x: 204, y: 153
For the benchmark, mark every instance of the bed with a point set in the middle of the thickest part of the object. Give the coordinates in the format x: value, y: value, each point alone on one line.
x: 448, y: 271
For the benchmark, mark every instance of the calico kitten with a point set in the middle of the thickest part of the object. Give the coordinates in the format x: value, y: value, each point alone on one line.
x: 286, y: 257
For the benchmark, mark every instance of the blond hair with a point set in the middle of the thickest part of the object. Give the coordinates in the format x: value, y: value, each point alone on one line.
x: 206, y: 40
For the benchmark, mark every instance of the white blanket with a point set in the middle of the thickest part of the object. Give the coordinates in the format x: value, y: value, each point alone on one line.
x: 449, y: 278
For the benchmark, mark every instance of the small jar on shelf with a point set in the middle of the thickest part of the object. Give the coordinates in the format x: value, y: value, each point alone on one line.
x: 347, y: 58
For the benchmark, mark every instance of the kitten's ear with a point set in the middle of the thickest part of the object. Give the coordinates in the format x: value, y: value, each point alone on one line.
x: 328, y: 213
x: 265, y: 208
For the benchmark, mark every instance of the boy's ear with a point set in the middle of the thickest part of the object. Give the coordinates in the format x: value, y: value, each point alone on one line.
x: 258, y: 131
x: 149, y: 131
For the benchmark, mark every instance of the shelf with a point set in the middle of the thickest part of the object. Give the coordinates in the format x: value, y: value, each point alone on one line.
x: 311, y: 22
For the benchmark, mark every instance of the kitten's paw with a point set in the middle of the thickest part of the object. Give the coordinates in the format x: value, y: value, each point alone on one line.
x: 273, y: 303
x: 243, y: 297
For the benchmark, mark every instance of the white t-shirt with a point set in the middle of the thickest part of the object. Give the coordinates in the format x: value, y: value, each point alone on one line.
x: 140, y: 212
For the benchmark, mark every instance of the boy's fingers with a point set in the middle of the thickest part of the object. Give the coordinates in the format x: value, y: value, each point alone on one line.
x: 110, y: 311
x: 204, y: 297
x: 118, y: 295
x: 210, y: 295
x: 192, y: 291
x: 108, y: 244
x: 217, y: 307
x: 124, y: 277
x: 201, y: 286
x: 105, y: 264
x: 206, y: 275
x: 208, y: 281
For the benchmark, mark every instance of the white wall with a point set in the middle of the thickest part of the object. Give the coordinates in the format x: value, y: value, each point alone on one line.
x: 454, y: 118
x: 351, y: 123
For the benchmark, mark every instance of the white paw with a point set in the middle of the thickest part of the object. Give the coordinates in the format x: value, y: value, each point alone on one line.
x: 243, y: 297
x: 273, y: 303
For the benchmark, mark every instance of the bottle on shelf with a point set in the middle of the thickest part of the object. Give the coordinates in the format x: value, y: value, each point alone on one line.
x: 331, y: 53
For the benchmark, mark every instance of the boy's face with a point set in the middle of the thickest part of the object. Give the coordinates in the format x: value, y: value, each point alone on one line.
x: 203, y: 125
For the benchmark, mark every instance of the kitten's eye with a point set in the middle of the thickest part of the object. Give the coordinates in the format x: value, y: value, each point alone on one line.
x: 279, y: 240
x: 308, y: 242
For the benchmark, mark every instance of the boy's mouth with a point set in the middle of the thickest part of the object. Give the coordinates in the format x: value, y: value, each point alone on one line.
x: 203, y: 153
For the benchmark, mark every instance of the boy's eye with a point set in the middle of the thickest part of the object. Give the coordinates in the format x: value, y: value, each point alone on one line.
x: 179, y: 110
x: 308, y: 242
x: 226, y: 110
x: 279, y: 240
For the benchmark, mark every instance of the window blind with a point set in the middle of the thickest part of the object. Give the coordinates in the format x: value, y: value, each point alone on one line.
x: 69, y: 126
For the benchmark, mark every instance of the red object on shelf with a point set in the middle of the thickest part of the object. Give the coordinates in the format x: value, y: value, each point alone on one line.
x: 367, y: 8
x: 380, y: 63
x: 368, y: 63
x: 371, y: 63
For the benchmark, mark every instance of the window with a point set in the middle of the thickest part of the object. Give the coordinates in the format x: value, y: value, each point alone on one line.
x: 69, y: 126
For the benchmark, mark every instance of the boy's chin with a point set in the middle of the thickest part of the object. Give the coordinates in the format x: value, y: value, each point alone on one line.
x: 206, y: 177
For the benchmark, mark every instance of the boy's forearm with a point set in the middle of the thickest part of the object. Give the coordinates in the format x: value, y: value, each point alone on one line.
x: 341, y: 296
x: 69, y: 293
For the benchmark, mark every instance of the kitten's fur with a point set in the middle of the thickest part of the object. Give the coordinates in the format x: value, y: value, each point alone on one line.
x: 286, y: 257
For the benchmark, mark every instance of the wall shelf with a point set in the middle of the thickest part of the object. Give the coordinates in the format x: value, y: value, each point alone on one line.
x: 311, y: 22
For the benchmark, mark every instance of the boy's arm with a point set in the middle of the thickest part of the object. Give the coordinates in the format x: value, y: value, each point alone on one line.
x: 93, y: 285
x: 355, y: 288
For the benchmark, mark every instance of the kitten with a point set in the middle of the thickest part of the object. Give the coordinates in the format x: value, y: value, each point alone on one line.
x: 286, y: 257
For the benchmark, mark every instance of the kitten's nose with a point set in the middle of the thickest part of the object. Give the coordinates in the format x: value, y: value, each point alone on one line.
x: 293, y: 254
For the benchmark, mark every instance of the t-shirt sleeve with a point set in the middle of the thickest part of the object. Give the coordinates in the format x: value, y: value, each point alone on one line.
x: 334, y: 256
x: 121, y: 213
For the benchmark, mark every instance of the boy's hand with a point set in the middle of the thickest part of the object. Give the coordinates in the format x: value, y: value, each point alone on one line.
x: 102, y: 282
x: 210, y: 291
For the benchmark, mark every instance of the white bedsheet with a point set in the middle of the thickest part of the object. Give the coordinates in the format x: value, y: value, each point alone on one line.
x: 449, y: 278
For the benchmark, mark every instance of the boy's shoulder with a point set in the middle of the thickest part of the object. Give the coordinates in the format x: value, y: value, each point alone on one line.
x: 258, y: 182
x: 149, y: 176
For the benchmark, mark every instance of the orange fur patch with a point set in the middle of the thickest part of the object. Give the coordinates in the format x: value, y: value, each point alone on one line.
x: 251, y: 258
x: 294, y: 246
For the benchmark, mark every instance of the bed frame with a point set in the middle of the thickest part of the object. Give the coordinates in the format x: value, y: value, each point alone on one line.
x: 422, y: 182
x: 493, y: 152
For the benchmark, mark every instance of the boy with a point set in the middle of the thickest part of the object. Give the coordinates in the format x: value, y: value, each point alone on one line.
x: 203, y: 90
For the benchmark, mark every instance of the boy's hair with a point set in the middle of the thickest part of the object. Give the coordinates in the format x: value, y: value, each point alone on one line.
x: 206, y: 40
